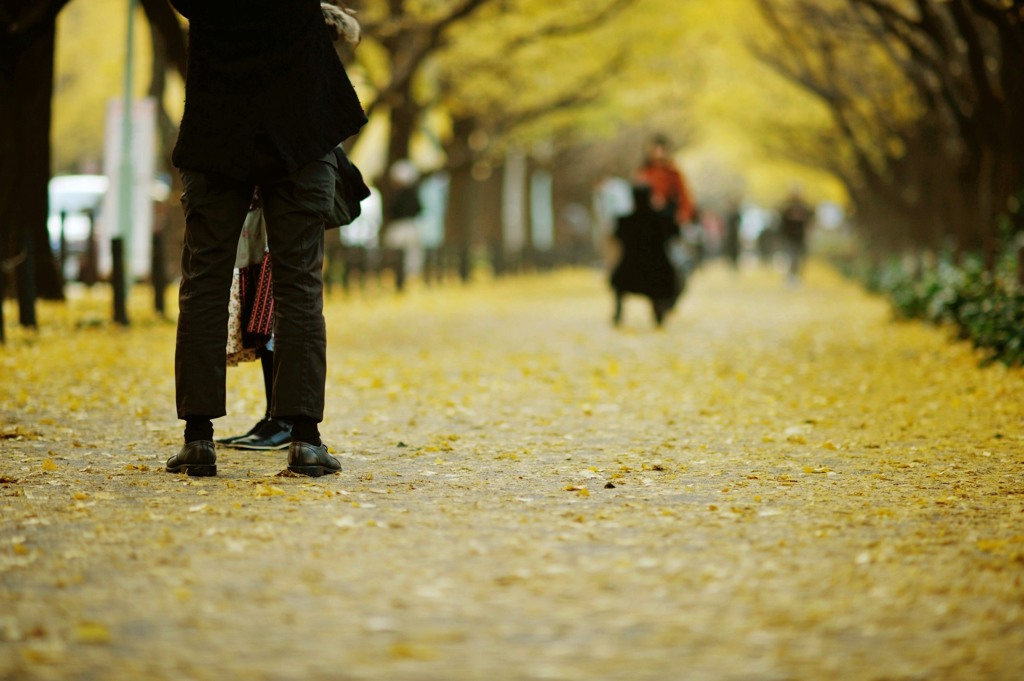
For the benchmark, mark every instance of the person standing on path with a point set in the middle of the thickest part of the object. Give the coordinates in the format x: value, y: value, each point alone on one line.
x: 251, y: 329
x: 644, y: 267
x: 266, y: 103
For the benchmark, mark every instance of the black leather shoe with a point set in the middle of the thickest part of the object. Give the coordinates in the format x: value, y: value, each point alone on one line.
x: 272, y: 434
x: 235, y: 438
x: 307, y: 459
x: 198, y: 459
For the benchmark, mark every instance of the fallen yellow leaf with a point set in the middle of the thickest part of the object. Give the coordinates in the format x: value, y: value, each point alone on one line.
x: 92, y: 633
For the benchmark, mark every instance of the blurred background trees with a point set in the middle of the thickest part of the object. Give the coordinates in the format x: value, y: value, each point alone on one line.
x: 926, y: 101
x: 27, y: 39
x: 905, y: 111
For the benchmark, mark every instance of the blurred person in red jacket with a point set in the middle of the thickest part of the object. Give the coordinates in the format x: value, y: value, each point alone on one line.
x: 669, y: 193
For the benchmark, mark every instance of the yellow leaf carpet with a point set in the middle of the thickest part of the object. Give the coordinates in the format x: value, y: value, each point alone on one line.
x: 780, y: 484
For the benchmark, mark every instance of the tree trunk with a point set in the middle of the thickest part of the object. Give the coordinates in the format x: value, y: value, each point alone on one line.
x: 488, y: 190
x: 169, y: 225
x: 402, y: 119
x: 458, y: 220
x: 459, y: 214
x: 26, y: 88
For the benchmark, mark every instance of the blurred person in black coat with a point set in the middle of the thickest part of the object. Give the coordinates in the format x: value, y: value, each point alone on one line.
x: 731, y: 242
x: 794, y: 220
x: 266, y: 103
x: 644, y: 267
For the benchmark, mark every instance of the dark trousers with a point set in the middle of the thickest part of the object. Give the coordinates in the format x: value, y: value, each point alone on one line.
x: 295, y: 208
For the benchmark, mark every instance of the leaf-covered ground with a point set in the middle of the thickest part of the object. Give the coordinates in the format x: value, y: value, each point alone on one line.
x: 782, y: 484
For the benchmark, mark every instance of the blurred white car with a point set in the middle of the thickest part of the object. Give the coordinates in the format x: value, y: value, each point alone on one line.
x: 76, y: 197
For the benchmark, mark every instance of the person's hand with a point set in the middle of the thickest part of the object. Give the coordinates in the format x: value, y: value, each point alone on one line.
x: 342, y: 23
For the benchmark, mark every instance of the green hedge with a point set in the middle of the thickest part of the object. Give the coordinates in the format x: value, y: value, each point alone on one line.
x: 985, y: 308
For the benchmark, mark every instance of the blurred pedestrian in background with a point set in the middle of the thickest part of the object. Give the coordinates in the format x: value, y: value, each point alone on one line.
x: 433, y: 193
x: 644, y: 267
x: 402, y: 244
x: 731, y: 243
x: 670, y: 195
x: 794, y: 220
x: 612, y: 199
x: 360, y: 241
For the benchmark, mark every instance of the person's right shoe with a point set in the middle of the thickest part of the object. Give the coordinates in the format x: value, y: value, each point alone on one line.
x: 311, y: 460
x: 198, y: 459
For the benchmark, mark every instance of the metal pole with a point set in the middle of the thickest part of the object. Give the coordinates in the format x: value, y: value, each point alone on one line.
x: 63, y: 253
x: 124, y: 188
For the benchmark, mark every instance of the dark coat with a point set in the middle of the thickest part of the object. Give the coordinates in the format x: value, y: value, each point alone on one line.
x: 644, y: 267
x: 261, y: 66
x: 407, y: 203
x: 793, y: 219
x: 731, y: 242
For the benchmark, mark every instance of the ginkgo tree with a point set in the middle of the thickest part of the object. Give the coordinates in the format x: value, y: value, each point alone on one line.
x: 27, y: 38
x: 530, y: 83
x: 925, y: 99
x: 516, y: 74
x: 417, y: 58
x: 28, y: 35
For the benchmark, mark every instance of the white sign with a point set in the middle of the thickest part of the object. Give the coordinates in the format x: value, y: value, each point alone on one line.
x: 139, y: 241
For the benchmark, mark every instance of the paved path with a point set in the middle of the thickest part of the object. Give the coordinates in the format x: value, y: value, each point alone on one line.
x: 782, y: 484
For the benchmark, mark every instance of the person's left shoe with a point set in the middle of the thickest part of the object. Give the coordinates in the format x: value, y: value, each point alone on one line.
x: 311, y: 460
x: 198, y: 459
x: 272, y: 434
x: 235, y: 438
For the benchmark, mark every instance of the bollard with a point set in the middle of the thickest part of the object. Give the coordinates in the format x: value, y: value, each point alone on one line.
x: 63, y: 253
x: 159, y: 273
x: 89, y: 266
x: 465, y: 264
x: 117, y: 279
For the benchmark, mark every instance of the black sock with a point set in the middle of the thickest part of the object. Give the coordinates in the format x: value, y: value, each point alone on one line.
x: 304, y: 429
x: 198, y: 428
x: 267, y: 362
